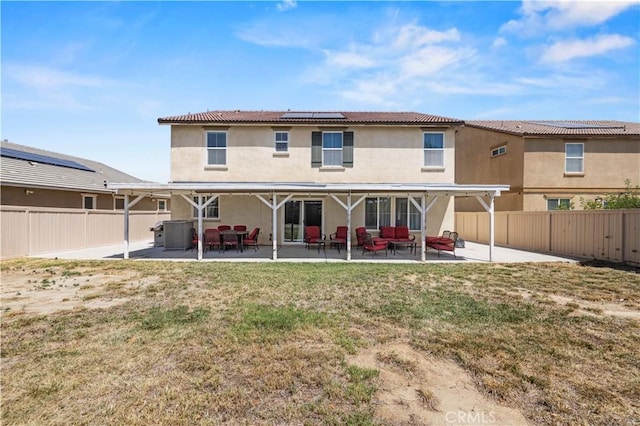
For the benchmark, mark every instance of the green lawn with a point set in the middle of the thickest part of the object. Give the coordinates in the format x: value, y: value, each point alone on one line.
x: 262, y: 343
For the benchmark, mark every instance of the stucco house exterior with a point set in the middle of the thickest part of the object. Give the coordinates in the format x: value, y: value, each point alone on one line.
x: 283, y: 170
x: 547, y: 163
x: 39, y: 178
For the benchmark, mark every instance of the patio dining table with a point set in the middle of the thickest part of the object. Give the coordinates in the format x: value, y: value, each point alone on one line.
x: 239, y: 234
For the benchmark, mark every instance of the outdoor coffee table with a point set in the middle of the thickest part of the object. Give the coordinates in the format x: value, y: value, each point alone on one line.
x: 411, y: 244
x: 319, y: 243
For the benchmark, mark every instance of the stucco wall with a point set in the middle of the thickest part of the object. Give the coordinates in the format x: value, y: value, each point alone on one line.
x: 250, y: 211
x: 381, y: 155
x: 45, y: 197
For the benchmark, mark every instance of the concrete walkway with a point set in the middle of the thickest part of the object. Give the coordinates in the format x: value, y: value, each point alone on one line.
x: 473, y: 252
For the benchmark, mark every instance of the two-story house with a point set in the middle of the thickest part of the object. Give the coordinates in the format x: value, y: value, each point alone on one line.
x: 283, y: 170
x: 547, y: 164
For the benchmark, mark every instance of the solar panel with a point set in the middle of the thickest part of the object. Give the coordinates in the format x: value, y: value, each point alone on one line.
x: 42, y: 159
x: 321, y: 115
x: 328, y: 115
x: 572, y: 125
x: 297, y: 115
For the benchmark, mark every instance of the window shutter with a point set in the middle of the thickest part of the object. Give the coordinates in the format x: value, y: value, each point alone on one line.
x: 347, y: 149
x: 316, y: 149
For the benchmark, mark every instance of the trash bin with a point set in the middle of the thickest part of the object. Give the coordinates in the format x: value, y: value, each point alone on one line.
x: 158, y: 234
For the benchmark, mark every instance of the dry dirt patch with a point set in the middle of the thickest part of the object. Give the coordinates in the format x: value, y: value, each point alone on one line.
x: 44, y: 291
x: 414, y: 389
x: 586, y: 307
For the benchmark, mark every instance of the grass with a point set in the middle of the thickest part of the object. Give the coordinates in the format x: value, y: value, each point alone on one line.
x: 205, y: 343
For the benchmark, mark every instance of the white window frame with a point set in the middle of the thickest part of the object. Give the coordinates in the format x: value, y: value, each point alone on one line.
x: 216, y: 148
x: 162, y: 208
x: 381, y: 216
x: 326, y: 150
x: 404, y: 218
x: 558, y: 202
x: 94, y: 201
x: 501, y: 150
x: 115, y: 202
x: 280, y: 146
x: 209, y: 211
x: 572, y: 158
x: 427, y: 151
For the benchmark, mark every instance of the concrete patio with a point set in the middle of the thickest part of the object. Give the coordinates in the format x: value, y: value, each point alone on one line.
x: 473, y: 252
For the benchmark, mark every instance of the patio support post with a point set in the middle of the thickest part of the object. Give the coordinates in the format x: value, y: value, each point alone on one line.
x: 127, y: 206
x: 348, y: 226
x: 274, y: 226
x: 490, y: 209
x: 491, y: 226
x: 126, y: 226
x: 274, y: 206
x: 200, y: 208
x: 423, y: 225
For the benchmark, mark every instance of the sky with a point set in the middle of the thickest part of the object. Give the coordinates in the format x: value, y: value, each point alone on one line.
x: 90, y: 79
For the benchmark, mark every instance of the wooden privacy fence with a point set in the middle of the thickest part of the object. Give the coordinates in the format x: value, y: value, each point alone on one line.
x: 612, y: 235
x: 28, y: 231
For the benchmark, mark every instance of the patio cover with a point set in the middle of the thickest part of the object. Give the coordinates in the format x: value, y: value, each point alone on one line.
x: 348, y: 195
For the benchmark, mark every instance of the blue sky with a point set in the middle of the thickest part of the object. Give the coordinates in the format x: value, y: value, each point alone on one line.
x: 91, y: 78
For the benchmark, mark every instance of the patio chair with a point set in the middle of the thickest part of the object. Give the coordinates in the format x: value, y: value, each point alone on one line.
x: 373, y: 245
x: 339, y: 237
x: 360, y: 235
x: 230, y: 240
x: 252, y: 239
x: 223, y: 228
x: 212, y: 238
x: 240, y: 228
x: 443, y: 243
x: 194, y: 238
x: 312, y: 235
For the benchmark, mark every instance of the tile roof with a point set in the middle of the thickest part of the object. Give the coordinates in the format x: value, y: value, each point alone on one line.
x: 18, y: 172
x: 559, y: 128
x: 291, y: 117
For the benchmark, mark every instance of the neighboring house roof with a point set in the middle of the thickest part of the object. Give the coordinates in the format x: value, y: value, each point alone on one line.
x: 559, y: 128
x: 292, y: 117
x: 39, y: 168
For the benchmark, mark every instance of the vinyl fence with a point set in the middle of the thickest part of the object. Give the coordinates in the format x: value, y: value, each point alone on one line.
x: 27, y: 231
x: 612, y: 235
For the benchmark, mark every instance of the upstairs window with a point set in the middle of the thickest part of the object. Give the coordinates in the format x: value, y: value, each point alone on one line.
x: 332, y: 149
x: 217, y: 148
x: 281, y: 141
x: 434, y: 149
x: 574, y: 158
x: 501, y: 150
x: 162, y: 205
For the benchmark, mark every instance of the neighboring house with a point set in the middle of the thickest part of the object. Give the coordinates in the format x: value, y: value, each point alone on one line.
x: 547, y: 164
x: 38, y: 178
x: 283, y: 170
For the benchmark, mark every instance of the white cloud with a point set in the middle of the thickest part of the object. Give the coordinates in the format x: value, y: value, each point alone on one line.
x: 286, y: 5
x: 567, y: 50
x: 499, y: 42
x: 349, y: 59
x: 44, y: 78
x: 542, y: 16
